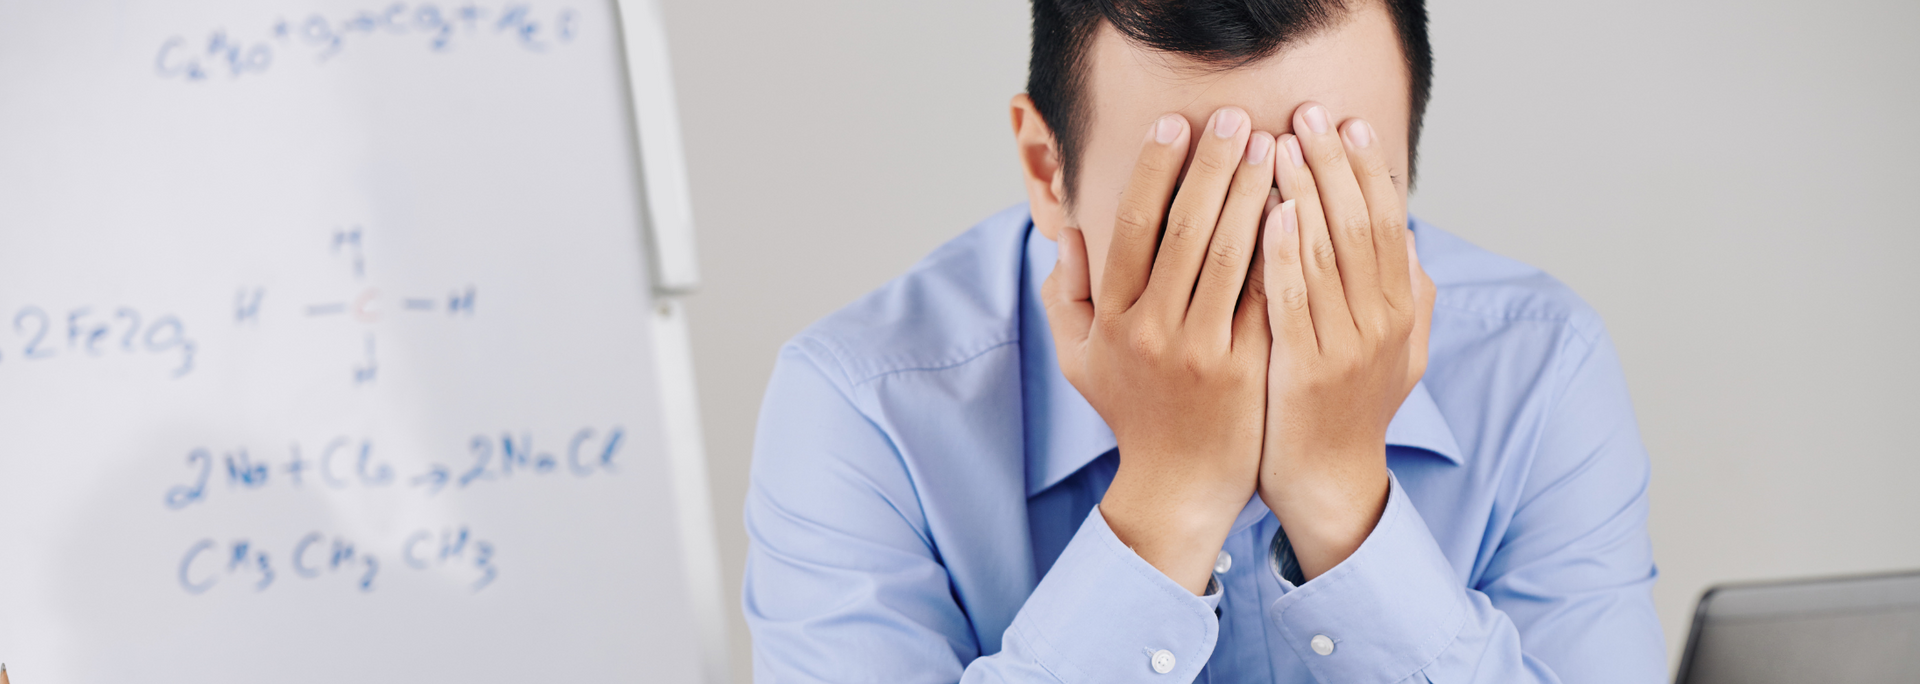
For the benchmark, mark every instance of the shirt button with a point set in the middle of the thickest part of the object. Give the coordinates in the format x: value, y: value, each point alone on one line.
x: 1162, y: 661
x: 1322, y: 645
x: 1222, y: 563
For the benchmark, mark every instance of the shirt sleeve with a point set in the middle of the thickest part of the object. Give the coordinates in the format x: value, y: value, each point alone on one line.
x: 843, y: 583
x: 1566, y: 596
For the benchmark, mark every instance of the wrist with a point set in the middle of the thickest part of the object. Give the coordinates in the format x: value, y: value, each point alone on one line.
x: 1173, y: 521
x: 1327, y: 512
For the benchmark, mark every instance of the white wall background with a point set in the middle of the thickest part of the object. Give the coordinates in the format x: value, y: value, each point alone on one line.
x: 1729, y: 183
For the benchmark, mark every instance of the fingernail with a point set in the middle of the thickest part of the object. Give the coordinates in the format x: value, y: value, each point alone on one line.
x: 1257, y: 149
x: 1359, y: 134
x: 1167, y: 129
x: 1293, y: 152
x: 1226, y: 122
x: 1316, y: 117
x: 1289, y: 218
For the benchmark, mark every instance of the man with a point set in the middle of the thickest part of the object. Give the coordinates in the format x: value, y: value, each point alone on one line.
x: 1201, y: 410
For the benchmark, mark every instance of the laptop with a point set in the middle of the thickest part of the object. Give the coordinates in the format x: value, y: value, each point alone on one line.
x: 1844, y: 630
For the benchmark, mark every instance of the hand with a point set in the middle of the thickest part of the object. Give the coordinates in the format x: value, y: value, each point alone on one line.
x: 1173, y: 353
x: 1350, y: 309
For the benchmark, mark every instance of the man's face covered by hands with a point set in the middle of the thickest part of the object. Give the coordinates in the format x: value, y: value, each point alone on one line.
x: 1236, y: 348
x: 1355, y: 69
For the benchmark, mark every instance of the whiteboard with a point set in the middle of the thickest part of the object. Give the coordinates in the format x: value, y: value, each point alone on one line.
x: 338, y: 342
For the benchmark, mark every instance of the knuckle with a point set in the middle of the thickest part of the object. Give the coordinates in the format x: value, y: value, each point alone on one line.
x: 1135, y: 217
x: 1182, y: 229
x: 1332, y: 153
x: 1225, y: 257
x: 1354, y: 224
x: 1147, y: 343
x: 1211, y: 165
x: 1293, y: 298
x: 1323, y: 254
x: 1377, y: 328
x: 1151, y: 164
x: 1195, y: 364
x: 1351, y: 366
x: 1286, y: 254
x: 1394, y: 224
x: 1159, y: 163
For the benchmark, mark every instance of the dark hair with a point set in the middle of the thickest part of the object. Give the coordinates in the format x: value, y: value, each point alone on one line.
x: 1220, y: 33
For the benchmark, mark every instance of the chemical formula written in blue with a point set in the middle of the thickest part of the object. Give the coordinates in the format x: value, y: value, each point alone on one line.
x: 349, y: 462
x: 436, y: 27
x: 48, y: 335
x: 317, y: 556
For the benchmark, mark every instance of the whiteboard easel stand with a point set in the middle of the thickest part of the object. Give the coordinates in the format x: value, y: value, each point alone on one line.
x: 668, y: 227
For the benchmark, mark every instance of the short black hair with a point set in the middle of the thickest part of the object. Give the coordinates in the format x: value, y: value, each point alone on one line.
x: 1220, y: 33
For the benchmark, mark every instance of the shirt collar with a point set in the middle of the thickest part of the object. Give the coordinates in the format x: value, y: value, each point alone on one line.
x: 1064, y: 433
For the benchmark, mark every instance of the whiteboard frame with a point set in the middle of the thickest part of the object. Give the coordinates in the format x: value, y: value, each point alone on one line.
x: 667, y: 228
x: 663, y: 163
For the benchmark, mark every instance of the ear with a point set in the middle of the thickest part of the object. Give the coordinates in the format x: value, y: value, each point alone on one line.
x: 1040, y: 167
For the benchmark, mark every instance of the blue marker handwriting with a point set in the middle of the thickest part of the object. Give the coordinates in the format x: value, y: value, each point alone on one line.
x: 243, y: 564
x: 346, y: 462
x: 437, y: 27
x: 89, y: 332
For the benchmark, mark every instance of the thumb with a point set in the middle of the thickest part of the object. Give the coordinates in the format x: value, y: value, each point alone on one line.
x: 1068, y: 297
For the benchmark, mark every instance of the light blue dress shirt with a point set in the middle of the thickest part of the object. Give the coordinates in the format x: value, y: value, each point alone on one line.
x: 924, y: 490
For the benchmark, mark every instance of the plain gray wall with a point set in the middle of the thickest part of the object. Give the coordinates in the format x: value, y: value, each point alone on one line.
x: 1727, y: 182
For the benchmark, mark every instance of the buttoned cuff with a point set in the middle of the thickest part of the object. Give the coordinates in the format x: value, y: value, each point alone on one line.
x: 1215, y: 592
x: 1103, y: 614
x: 1385, y: 612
